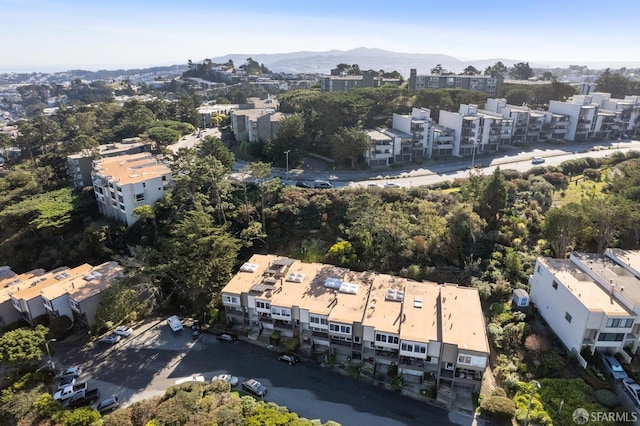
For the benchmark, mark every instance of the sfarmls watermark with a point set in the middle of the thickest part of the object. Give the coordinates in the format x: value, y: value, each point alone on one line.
x: 582, y: 416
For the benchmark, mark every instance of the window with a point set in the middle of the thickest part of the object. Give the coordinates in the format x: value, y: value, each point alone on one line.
x: 407, y: 347
x: 356, y: 339
x: 567, y: 316
x: 339, y: 328
x: 121, y: 198
x: 464, y: 359
x: 140, y: 197
x: 554, y: 285
x: 281, y: 312
x: 610, y: 337
x: 538, y: 269
x: 448, y: 366
x: 318, y: 320
x: 386, y: 339
x: 621, y: 323
x: 231, y: 299
x: 263, y: 305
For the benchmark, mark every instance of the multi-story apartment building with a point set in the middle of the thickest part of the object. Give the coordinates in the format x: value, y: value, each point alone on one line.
x: 125, y: 182
x: 344, y: 83
x: 79, y: 166
x: 380, y: 151
x: 591, y: 301
x: 429, y: 331
x: 476, y: 130
x: 582, y: 117
x: 256, y: 121
x: 418, y: 125
x: 490, y: 85
x: 528, y: 124
x: 71, y: 292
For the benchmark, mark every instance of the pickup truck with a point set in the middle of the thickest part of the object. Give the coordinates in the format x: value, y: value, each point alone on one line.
x: 82, y: 398
x: 69, y: 391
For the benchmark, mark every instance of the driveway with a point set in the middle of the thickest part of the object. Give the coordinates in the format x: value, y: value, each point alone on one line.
x: 148, y: 362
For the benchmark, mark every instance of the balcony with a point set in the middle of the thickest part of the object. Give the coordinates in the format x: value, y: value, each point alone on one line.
x: 390, y: 355
x: 338, y: 342
x: 468, y: 375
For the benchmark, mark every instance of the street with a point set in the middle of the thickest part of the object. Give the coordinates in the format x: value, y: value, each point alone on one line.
x: 147, y: 363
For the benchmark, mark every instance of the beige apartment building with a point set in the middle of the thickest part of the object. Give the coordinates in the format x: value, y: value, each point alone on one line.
x: 433, y: 333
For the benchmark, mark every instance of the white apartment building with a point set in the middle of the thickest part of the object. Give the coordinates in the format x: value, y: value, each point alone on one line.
x: 476, y: 130
x: 418, y: 125
x: 431, y: 332
x: 380, y: 152
x: 125, y: 182
x: 591, y: 301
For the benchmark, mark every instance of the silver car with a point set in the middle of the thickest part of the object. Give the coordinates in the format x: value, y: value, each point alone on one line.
x: 254, y: 387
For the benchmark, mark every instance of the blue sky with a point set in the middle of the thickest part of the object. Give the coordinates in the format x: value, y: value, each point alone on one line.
x: 47, y: 35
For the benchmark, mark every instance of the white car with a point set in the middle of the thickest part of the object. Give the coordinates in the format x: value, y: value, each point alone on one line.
x: 232, y: 380
x: 65, y: 383
x: 71, y: 372
x: 194, y: 378
x: 123, y: 331
x: 633, y: 389
x: 391, y: 185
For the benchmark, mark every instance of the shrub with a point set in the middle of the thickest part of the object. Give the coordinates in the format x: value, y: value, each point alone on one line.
x: 551, y: 365
x: 498, y: 392
x: 593, y: 174
x: 606, y: 398
x: 498, y: 408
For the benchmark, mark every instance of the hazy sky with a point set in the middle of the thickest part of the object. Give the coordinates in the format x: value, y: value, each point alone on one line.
x: 48, y: 35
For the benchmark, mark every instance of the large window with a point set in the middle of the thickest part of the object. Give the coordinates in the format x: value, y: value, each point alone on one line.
x: 610, y: 337
x: 414, y: 347
x: 318, y: 320
x: 263, y: 305
x: 385, y: 338
x: 231, y: 299
x: 283, y: 312
x: 340, y: 328
x: 464, y: 359
x: 621, y: 323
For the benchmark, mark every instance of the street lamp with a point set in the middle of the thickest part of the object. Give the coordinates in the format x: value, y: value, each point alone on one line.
x: 533, y: 391
x: 473, y: 152
x: 287, y: 154
x: 46, y: 345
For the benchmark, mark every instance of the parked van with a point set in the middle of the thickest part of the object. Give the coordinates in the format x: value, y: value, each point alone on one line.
x: 175, y: 323
x: 322, y: 184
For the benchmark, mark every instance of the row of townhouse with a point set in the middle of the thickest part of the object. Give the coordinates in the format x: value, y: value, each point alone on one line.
x: 71, y: 292
x: 433, y: 333
x: 125, y: 182
x: 591, y: 301
x: 472, y: 130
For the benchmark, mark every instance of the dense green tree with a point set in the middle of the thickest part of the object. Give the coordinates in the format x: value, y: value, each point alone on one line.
x: 134, y: 119
x: 290, y: 136
x: 23, y: 348
x: 616, y: 84
x: 497, y: 70
x: 214, y: 147
x: 163, y: 136
x: 261, y: 171
x: 493, y: 199
x: 521, y: 71
x: 471, y: 70
x: 348, y: 145
x: 82, y: 143
x: 562, y: 228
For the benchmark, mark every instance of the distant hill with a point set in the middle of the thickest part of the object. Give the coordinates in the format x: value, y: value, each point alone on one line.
x: 366, y: 58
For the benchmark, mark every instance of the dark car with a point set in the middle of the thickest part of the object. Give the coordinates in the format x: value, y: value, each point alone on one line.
x: 254, y: 387
x: 613, y: 367
x: 227, y: 337
x: 302, y: 185
x: 107, y: 405
x: 288, y: 358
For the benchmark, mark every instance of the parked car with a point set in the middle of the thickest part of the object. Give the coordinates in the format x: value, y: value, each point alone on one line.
x: 613, y: 367
x: 633, y: 389
x: 66, y: 382
x: 107, y: 405
x: 301, y: 184
x: 73, y: 372
x: 537, y: 160
x: 123, y: 331
x: 232, y: 380
x: 288, y: 358
x: 391, y: 185
x: 227, y: 337
x: 373, y: 185
x: 254, y: 387
x: 69, y: 391
x: 194, y: 378
x: 81, y: 399
x: 322, y: 184
x: 111, y: 339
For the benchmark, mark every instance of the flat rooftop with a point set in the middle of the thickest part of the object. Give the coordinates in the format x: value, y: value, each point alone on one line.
x: 462, y: 318
x: 10, y: 284
x: 377, y: 135
x: 591, y: 294
x: 384, y: 311
x: 132, y: 168
x: 612, y: 276
x: 421, y: 309
x: 84, y: 281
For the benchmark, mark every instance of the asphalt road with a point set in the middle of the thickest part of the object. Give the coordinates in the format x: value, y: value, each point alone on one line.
x: 150, y: 361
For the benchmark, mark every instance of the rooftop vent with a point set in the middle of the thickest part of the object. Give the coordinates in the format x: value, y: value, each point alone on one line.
x: 61, y: 276
x: 348, y: 288
x: 394, y: 295
x: 333, y: 283
x: 248, y: 267
x: 295, y: 277
x: 417, y: 302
